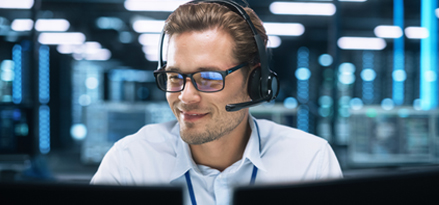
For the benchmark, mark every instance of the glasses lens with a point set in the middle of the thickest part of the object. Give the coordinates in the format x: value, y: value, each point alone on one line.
x: 209, y: 81
x: 170, y: 81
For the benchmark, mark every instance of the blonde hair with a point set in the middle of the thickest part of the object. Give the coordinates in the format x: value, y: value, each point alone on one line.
x: 204, y: 16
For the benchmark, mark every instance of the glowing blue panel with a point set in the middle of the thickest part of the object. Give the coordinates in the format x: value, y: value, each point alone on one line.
x: 17, y: 84
x: 368, y: 93
x: 398, y: 54
x: 428, y: 87
x: 368, y: 76
x: 303, y: 118
x: 303, y: 74
x: 44, y: 129
x: 44, y: 77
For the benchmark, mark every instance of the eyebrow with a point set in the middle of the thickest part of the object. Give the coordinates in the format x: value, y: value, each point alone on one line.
x: 176, y: 69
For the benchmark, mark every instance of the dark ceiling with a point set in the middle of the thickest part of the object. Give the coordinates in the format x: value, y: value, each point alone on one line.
x: 351, y: 18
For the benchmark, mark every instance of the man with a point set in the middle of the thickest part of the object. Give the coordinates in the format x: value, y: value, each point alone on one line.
x: 209, y: 149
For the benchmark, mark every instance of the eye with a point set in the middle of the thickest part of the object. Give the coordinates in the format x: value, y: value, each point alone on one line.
x: 211, y: 75
x: 175, y: 76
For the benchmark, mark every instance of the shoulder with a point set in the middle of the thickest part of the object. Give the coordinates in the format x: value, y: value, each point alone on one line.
x: 275, y: 136
x: 272, y: 130
x: 131, y: 159
x: 293, y: 154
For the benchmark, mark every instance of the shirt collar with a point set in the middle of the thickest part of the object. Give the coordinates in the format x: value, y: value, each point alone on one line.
x: 185, y: 162
x: 253, y: 149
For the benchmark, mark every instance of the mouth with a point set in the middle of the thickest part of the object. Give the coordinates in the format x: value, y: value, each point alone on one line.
x: 191, y: 116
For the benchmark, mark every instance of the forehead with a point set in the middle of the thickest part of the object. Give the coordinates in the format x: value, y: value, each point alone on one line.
x: 211, y: 48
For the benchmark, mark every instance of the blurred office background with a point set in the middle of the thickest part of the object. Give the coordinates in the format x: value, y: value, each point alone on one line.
x: 77, y: 75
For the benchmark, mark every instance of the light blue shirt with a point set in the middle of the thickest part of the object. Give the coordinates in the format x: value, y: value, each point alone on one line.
x: 156, y: 155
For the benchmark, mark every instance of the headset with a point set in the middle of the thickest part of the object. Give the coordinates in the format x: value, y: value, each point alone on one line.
x: 263, y: 84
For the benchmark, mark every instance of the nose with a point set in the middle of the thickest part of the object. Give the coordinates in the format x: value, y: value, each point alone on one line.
x: 189, y: 94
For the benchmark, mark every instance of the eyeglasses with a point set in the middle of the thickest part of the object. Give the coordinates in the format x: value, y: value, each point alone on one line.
x: 204, y: 81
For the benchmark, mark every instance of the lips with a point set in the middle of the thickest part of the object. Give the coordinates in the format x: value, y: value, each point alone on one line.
x: 192, y: 116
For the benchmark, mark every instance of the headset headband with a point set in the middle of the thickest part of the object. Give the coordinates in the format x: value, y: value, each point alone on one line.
x: 262, y: 54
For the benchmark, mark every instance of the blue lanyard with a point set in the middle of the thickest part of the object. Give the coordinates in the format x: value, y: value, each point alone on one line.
x: 252, y: 180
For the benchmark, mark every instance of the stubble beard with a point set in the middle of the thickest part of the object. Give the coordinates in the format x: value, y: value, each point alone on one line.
x: 212, y: 130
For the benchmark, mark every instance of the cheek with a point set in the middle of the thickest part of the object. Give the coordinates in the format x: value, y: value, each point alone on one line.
x: 238, y: 89
x: 237, y: 94
x: 171, y: 97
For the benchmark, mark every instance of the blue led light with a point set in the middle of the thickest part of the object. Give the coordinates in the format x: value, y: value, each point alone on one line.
x: 346, y: 78
x: 387, y: 104
x: 44, y: 76
x: 429, y: 52
x: 356, y: 103
x: 78, y: 131
x: 399, y: 75
x: 303, y: 73
x: 346, y: 68
x: 325, y: 101
x: 290, y: 103
x: 346, y: 73
x: 430, y: 76
x: 368, y: 74
x: 44, y: 129
x: 17, y: 84
x: 417, y: 104
x: 16, y: 115
x: 325, y: 60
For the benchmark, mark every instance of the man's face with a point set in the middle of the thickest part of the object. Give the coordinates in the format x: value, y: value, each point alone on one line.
x: 202, y: 116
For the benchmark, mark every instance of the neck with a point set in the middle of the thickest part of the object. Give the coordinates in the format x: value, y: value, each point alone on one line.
x: 222, y: 153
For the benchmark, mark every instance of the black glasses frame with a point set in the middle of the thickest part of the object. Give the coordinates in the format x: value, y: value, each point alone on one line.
x: 190, y: 75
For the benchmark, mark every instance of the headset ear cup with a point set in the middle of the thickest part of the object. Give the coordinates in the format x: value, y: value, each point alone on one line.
x: 274, y: 86
x: 254, y: 84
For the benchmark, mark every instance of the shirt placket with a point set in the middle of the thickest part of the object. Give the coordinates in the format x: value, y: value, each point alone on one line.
x: 221, y: 190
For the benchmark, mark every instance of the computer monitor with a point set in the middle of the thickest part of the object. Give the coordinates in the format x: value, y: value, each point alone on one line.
x: 108, y: 122
x: 53, y: 193
x: 419, y: 187
x: 394, y: 137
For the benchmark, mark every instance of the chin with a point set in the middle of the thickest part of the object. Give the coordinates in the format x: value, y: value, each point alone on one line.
x: 197, y: 137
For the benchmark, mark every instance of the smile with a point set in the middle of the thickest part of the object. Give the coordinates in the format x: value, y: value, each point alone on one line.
x: 192, y: 117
